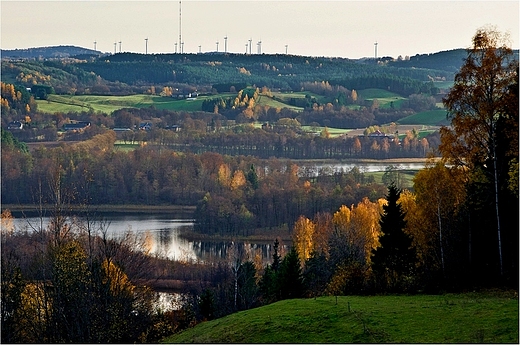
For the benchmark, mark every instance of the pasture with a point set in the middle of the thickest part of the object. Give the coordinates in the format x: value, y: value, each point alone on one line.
x: 108, y: 104
x: 386, y: 99
x: 428, y: 118
x: 487, y: 317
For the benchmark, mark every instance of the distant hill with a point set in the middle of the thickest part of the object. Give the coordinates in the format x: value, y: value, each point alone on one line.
x: 449, y: 60
x: 48, y: 52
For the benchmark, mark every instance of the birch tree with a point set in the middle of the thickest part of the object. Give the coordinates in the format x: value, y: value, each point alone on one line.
x: 478, y: 106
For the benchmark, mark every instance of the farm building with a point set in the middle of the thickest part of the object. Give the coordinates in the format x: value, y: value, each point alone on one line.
x: 78, y: 126
x: 15, y: 125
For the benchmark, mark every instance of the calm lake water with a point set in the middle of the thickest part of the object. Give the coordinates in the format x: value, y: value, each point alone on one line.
x: 312, y: 170
x: 162, y: 235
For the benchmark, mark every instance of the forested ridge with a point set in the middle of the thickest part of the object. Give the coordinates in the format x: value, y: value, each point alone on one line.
x: 124, y: 72
x: 455, y: 230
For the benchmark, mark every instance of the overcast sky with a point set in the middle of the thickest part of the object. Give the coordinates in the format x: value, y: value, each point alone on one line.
x: 315, y: 28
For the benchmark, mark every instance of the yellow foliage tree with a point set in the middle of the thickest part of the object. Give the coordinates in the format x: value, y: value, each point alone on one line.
x: 224, y: 175
x: 238, y: 180
x: 303, y: 233
x: 439, y: 193
x: 116, y: 279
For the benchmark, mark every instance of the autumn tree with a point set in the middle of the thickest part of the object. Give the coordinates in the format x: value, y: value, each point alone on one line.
x: 483, y: 110
x: 303, y: 233
x: 440, y: 195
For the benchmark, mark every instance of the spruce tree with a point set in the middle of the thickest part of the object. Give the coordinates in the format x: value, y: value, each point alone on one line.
x: 393, y: 262
x: 290, y: 276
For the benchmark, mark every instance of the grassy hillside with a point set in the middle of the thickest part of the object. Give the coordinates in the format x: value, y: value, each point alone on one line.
x: 429, y: 118
x: 385, y: 98
x: 108, y: 104
x: 451, y: 318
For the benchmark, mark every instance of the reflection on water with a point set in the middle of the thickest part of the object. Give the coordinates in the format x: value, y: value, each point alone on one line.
x: 162, y: 236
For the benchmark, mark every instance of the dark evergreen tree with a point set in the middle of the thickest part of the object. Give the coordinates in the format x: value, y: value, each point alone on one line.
x: 252, y: 177
x: 247, y: 287
x: 394, y: 261
x: 268, y: 285
x: 206, y: 305
x: 317, y: 273
x: 290, y: 276
x: 276, y: 256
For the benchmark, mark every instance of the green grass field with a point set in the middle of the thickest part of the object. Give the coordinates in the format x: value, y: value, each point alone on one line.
x: 386, y: 99
x: 429, y: 118
x: 108, y: 104
x: 450, y: 318
x: 264, y: 100
x: 406, y: 177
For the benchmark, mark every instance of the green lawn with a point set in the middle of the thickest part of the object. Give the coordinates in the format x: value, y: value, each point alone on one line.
x: 450, y: 318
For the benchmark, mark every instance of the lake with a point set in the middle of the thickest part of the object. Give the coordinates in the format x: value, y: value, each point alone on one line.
x: 311, y: 170
x: 162, y: 235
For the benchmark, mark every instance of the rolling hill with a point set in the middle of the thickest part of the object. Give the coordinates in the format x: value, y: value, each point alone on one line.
x: 451, y: 318
x: 47, y: 52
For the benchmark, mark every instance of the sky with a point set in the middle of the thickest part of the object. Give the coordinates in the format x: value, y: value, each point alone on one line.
x: 338, y: 28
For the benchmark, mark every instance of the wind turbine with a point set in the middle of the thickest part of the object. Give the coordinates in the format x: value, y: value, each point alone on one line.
x: 199, y: 49
x: 259, y: 44
x: 175, y: 47
x: 246, y: 47
x: 286, y: 49
x: 225, y: 44
x: 250, y: 40
x: 217, y: 46
x: 146, y: 46
x: 115, y: 45
x: 120, y: 46
x: 375, y: 48
x: 95, y: 45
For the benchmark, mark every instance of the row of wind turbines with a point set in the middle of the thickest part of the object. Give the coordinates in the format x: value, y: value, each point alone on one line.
x: 248, y: 46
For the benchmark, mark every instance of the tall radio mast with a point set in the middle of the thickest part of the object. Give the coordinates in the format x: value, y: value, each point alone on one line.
x: 180, y: 24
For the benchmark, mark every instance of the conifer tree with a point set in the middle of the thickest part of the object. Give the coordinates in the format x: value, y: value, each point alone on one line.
x: 394, y: 260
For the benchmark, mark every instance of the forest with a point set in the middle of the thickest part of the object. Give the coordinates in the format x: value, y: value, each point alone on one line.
x: 455, y: 230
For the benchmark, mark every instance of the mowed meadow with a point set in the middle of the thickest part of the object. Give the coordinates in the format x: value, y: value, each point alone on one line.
x: 488, y: 317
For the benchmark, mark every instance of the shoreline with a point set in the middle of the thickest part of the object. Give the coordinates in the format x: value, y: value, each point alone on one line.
x: 103, y: 208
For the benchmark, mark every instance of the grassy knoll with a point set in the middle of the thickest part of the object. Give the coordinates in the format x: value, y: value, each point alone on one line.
x: 431, y: 117
x: 450, y: 318
x: 274, y: 103
x: 386, y: 99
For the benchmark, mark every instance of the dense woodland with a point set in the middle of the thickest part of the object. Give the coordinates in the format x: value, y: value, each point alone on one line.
x: 457, y: 229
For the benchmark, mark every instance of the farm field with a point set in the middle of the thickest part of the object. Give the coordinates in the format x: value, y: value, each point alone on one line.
x: 108, y: 104
x: 431, y: 117
x: 273, y: 103
x: 451, y: 318
x: 386, y: 99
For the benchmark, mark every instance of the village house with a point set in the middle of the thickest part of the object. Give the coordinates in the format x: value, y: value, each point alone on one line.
x: 14, y: 125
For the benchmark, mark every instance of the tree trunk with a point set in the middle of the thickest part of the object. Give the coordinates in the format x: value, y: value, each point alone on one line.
x: 495, y: 172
